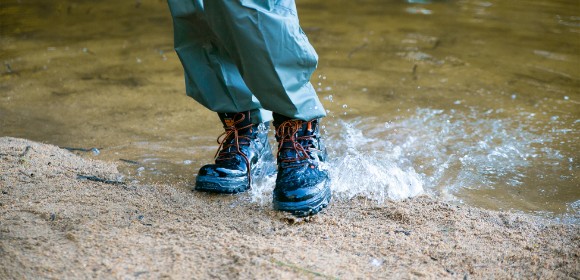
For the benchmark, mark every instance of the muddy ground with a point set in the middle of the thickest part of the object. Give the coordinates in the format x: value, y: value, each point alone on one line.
x: 55, y: 223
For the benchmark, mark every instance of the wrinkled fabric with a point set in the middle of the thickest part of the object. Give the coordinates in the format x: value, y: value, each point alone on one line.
x: 246, y: 55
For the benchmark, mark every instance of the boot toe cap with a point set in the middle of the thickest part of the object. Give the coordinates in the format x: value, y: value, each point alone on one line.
x: 300, y: 184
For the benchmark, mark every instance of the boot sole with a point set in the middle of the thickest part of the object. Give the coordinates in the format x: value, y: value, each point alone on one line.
x: 308, y: 207
x: 219, y: 187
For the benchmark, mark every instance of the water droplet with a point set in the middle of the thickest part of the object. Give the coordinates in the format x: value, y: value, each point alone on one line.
x: 566, y: 98
x: 187, y: 162
x: 344, y: 106
x: 514, y: 96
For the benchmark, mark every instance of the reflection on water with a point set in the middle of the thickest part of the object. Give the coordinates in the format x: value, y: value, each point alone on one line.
x: 474, y: 101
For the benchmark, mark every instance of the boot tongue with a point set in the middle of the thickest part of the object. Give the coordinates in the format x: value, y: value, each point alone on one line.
x: 288, y: 150
x: 235, y: 119
x: 308, y: 128
x: 228, y: 122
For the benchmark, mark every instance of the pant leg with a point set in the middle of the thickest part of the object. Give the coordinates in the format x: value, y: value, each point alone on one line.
x: 211, y: 76
x: 265, y: 40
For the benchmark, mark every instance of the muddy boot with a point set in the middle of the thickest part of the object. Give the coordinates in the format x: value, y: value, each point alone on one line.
x: 302, y: 185
x: 242, y: 146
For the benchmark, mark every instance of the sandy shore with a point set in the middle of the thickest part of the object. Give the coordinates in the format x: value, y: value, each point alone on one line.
x: 55, y: 224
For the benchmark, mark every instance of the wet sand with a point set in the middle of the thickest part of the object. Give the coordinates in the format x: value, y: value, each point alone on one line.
x: 54, y: 224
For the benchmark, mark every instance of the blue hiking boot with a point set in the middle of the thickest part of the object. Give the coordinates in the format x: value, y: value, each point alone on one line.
x: 241, y: 147
x: 302, y: 184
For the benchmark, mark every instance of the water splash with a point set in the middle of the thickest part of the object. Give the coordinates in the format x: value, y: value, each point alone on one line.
x: 357, y: 171
x: 442, y: 152
x: 433, y: 150
x: 264, y: 181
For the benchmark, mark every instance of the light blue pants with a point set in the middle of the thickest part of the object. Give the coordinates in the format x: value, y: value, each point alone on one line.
x: 246, y: 55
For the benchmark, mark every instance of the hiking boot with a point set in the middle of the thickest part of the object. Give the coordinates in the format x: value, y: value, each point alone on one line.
x: 302, y: 184
x: 241, y: 147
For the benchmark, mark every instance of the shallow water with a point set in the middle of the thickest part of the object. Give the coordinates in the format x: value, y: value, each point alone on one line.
x: 474, y: 101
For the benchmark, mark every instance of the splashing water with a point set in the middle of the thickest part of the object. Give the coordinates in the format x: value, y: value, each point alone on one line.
x: 431, y: 151
x: 458, y: 150
x: 443, y: 152
x: 357, y: 171
x: 262, y: 186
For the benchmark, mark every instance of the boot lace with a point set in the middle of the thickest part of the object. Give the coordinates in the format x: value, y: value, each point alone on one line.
x: 300, y: 145
x: 231, y: 140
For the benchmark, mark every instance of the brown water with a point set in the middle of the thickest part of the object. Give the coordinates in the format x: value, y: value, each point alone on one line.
x: 474, y: 101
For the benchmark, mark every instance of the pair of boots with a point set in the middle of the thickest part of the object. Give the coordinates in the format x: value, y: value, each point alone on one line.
x: 302, y: 185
